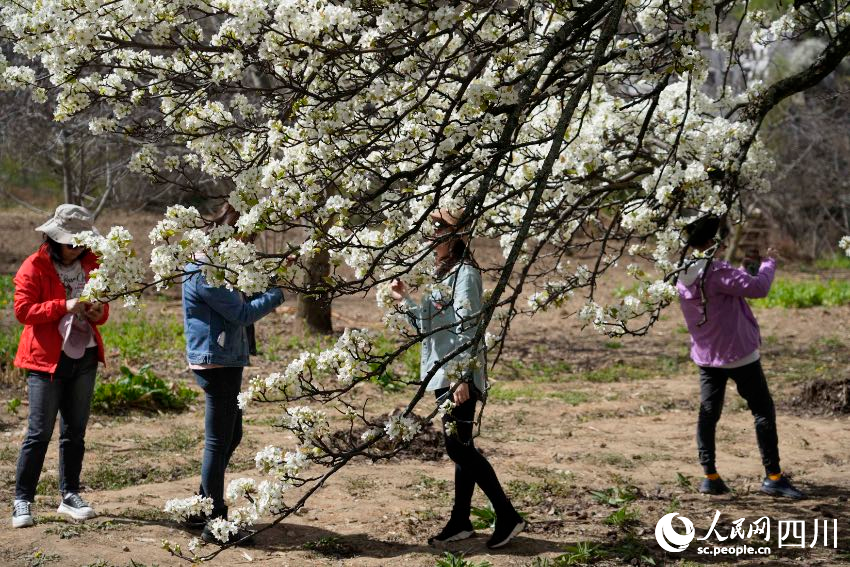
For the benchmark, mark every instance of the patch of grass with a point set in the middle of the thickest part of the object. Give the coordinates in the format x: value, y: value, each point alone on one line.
x: 429, y: 487
x: 115, y: 474
x: 615, y: 373
x: 507, y: 392
x: 47, y: 485
x: 360, y: 486
x: 556, y: 371
x: 549, y: 484
x: 139, y: 335
x: 330, y: 546
x: 179, y: 440
x: 632, y: 550
x: 403, y: 370
x: 13, y: 405
x: 616, y: 496
x: 613, y: 460
x: 833, y: 262
x: 802, y: 294
x: 142, y: 390
x: 40, y: 557
x: 9, y: 454
x: 582, y: 553
x: 449, y: 559
x: 613, y: 345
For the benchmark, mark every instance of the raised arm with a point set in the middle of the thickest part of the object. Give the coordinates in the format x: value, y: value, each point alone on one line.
x: 738, y: 282
x: 230, y: 305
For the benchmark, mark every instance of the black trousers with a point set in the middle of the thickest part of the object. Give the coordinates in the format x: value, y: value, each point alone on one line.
x: 752, y: 386
x: 471, y: 467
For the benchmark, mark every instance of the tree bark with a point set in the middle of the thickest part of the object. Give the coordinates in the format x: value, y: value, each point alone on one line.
x: 314, y: 310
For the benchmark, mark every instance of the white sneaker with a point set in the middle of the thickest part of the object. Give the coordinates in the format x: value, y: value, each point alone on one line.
x: 74, y: 506
x: 22, y: 514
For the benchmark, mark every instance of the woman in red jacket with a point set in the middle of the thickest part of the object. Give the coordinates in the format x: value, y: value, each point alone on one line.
x: 60, y: 348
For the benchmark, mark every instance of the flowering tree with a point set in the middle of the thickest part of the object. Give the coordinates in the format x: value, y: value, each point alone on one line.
x: 556, y: 128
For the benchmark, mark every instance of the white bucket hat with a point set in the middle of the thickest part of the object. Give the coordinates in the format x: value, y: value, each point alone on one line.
x: 67, y: 222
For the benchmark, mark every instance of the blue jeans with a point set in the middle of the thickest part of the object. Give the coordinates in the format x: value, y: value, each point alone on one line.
x: 222, y: 427
x: 67, y: 392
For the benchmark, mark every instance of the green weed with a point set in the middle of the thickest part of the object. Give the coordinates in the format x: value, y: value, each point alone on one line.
x: 802, y: 294
x: 684, y: 482
x: 582, y: 553
x: 616, y: 496
x: 451, y: 560
x: 483, y: 517
x: 13, y: 405
x: 142, y: 390
x: 623, y: 518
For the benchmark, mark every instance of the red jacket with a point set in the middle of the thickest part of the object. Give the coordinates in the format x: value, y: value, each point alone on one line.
x: 39, y: 305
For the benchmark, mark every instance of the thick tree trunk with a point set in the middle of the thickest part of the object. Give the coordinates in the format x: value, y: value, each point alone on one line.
x: 314, y: 310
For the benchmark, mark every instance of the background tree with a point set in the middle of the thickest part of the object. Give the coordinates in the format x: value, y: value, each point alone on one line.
x: 555, y: 128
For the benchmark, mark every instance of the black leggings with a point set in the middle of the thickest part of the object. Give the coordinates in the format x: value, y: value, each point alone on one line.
x: 471, y: 467
x: 753, y: 388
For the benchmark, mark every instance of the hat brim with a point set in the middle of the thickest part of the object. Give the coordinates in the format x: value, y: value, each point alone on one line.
x: 61, y: 236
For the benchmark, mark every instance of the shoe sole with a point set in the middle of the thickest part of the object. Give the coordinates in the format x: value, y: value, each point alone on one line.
x: 22, y: 522
x: 457, y: 537
x: 780, y: 493
x: 714, y: 493
x: 515, y: 532
x: 68, y: 511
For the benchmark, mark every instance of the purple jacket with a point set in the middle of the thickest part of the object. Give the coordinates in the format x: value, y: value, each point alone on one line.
x: 731, y: 331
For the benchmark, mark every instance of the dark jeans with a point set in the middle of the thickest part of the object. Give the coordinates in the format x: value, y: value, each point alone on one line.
x: 753, y: 388
x: 471, y: 467
x: 67, y: 392
x: 222, y: 427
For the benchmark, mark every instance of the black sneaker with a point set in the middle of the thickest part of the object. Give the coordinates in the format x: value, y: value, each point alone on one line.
x: 74, y: 506
x: 781, y: 487
x: 22, y: 514
x: 505, y: 531
x: 240, y: 538
x: 455, y: 530
x: 715, y: 487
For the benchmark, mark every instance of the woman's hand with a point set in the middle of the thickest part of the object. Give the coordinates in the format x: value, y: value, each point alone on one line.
x: 462, y: 393
x: 94, y: 311
x: 75, y: 306
x: 398, y: 289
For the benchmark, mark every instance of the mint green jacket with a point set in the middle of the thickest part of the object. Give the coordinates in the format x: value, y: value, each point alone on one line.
x: 447, y: 313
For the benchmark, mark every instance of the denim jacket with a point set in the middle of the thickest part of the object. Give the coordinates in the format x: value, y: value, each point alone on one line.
x: 215, y: 318
x: 437, y: 310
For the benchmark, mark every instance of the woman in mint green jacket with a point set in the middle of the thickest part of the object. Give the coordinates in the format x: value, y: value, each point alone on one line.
x: 449, y: 321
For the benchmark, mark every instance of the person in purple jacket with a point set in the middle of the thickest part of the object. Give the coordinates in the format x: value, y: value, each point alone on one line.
x: 725, y: 344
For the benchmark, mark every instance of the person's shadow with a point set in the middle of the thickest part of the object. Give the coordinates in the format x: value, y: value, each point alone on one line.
x: 289, y: 537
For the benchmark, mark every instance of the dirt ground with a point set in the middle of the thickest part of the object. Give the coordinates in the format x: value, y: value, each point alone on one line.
x: 575, y: 413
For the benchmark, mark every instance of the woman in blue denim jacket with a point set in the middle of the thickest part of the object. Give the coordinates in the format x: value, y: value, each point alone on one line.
x: 449, y: 321
x: 217, y: 347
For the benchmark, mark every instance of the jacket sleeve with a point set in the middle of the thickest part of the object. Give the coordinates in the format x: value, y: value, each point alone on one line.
x: 466, y: 303
x: 28, y: 309
x: 734, y: 281
x: 230, y: 304
x: 414, y: 314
